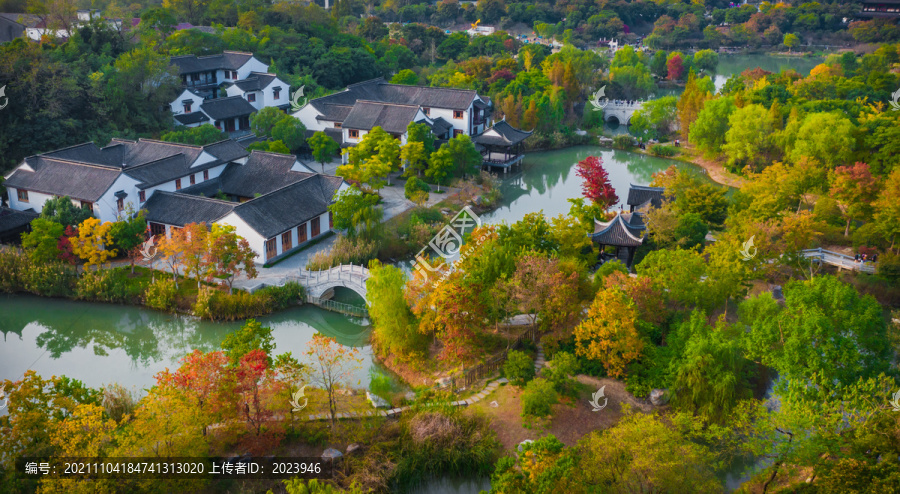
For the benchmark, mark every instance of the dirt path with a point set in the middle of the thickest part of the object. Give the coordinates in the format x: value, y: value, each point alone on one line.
x: 717, y: 172
x: 572, y: 419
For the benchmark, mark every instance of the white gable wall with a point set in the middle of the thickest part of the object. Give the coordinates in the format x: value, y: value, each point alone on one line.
x: 106, y: 209
x: 268, y: 94
x: 251, y: 65
x: 308, y: 115
x: 257, y: 242
x: 178, y: 107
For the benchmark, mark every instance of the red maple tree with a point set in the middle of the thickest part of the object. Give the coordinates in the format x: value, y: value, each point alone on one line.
x: 675, y: 68
x: 596, y: 186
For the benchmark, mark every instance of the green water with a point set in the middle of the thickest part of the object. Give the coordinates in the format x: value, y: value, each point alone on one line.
x: 103, y: 343
x: 548, y: 179
x: 730, y: 65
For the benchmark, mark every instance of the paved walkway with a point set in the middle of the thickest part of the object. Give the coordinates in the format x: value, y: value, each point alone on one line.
x: 490, y: 388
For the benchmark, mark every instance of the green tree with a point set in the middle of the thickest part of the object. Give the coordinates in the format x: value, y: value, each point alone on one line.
x: 40, y: 243
x: 706, y: 60
x: 518, y: 368
x: 537, y: 399
x: 373, y: 159
x: 466, y: 159
x: 748, y: 139
x: 678, y: 273
x: 269, y: 147
x: 440, y: 166
x: 200, y: 136
x: 711, y: 373
x: 619, y: 458
x: 395, y: 329
x: 290, y: 131
x: 825, y: 332
x: 324, y: 148
x: 129, y: 233
x: 412, y: 154
x: 887, y: 208
x: 263, y: 122
x: 252, y: 336
x: 355, y: 211
x: 791, y: 40
x: 61, y: 210
x: 406, y: 77
x: 831, y: 148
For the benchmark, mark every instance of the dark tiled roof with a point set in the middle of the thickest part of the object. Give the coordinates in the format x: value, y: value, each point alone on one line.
x: 392, y: 118
x: 262, y: 174
x: 506, y: 135
x: 11, y: 219
x: 638, y: 195
x: 618, y: 232
x: 335, y: 113
x: 181, y: 209
x: 112, y: 155
x: 248, y: 139
x: 381, y: 91
x: 256, y: 82
x: 191, y: 118
x: 172, y: 160
x: 230, y: 107
x: 440, y: 126
x: 64, y: 178
x: 289, y: 206
x: 230, y: 60
x: 27, y: 20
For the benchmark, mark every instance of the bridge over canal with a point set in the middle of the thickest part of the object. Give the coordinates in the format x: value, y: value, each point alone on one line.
x: 320, y: 287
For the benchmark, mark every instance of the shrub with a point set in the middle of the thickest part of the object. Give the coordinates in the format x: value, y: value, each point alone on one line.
x: 560, y: 367
x: 623, y: 141
x: 519, y: 368
x: 216, y: 305
x: 537, y: 398
x: 118, y: 401
x: 283, y: 296
x: 888, y: 266
x: 443, y: 441
x: 663, y: 150
x: 161, y: 294
x: 50, y: 280
x: 102, y: 286
x: 344, y: 251
x: 13, y: 264
x: 413, y: 185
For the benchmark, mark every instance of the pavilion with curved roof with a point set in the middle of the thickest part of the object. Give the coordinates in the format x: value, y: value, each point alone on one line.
x: 624, y: 231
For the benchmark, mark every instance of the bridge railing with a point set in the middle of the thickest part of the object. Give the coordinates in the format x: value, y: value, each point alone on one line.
x: 351, y: 273
x: 332, y: 305
x: 840, y: 260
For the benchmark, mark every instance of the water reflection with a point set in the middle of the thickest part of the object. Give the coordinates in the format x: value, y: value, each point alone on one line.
x: 548, y: 179
x: 104, y: 343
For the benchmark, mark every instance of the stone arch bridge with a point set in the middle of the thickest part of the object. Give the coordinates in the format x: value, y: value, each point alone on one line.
x: 621, y: 111
x: 320, y: 286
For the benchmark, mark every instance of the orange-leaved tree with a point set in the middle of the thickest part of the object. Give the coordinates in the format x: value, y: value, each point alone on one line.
x: 206, y: 379
x: 228, y: 255
x: 171, y: 248
x: 610, y: 333
x: 195, y: 243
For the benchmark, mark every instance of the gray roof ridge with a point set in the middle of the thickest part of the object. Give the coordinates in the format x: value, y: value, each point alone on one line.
x: 645, y: 187
x: 192, y: 196
x: 433, y: 87
x: 369, y: 81
x: 180, y: 144
x: 275, y: 154
x: 386, y: 103
x: 222, y: 99
x: 76, y: 162
x: 132, y: 167
x: 279, y: 189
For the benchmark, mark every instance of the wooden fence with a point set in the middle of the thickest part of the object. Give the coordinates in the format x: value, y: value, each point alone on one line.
x: 468, y: 377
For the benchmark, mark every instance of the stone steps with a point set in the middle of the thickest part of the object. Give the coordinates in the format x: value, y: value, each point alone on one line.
x: 539, y: 361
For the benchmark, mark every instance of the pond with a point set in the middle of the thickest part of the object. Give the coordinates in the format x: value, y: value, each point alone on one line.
x: 104, y: 343
x: 548, y: 179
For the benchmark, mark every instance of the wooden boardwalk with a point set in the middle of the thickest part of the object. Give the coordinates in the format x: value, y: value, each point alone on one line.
x: 840, y: 260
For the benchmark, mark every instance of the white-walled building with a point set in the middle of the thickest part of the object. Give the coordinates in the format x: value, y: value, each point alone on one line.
x: 448, y: 111
x: 245, y: 80
x: 273, y: 200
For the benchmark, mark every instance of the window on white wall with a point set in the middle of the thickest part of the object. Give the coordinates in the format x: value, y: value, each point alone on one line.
x: 22, y: 195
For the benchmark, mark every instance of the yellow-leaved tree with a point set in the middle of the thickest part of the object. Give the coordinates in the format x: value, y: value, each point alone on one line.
x: 84, y: 434
x: 610, y: 333
x: 92, y: 241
